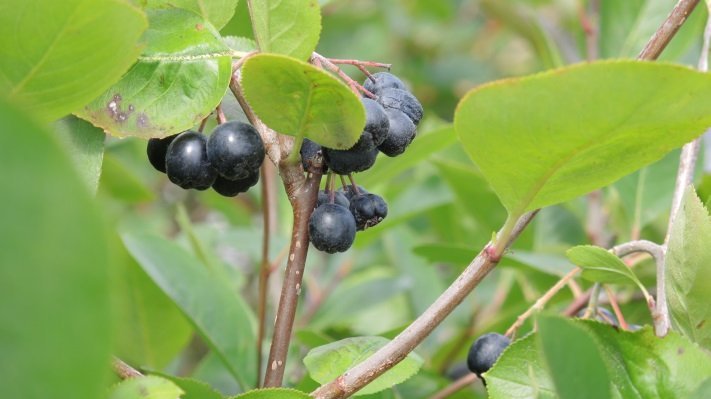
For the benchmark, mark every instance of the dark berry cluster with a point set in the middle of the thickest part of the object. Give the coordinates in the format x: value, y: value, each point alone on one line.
x: 340, y: 213
x: 391, y: 125
x: 228, y: 161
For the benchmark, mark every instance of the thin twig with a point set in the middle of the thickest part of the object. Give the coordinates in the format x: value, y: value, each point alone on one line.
x: 397, y: 349
x: 666, y: 32
x: 541, y: 302
x: 123, y: 370
x: 616, y: 308
x: 355, y: 86
x: 589, y: 22
x: 461, y: 383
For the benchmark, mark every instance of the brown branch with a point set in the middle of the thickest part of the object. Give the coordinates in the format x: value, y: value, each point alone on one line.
x: 397, y: 349
x: 123, y: 370
x: 666, y: 32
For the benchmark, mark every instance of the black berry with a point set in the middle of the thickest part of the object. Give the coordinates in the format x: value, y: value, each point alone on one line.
x: 368, y: 210
x: 376, y: 124
x: 403, y: 101
x: 332, y: 228
x: 355, y: 159
x: 230, y: 188
x: 380, y: 81
x: 485, y: 351
x: 402, y: 132
x: 186, y: 162
x: 338, y: 198
x: 156, y: 150
x: 311, y: 156
x: 235, y: 149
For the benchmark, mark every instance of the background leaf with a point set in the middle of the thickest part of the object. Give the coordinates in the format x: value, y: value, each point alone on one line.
x: 329, y: 361
x: 55, y: 331
x: 579, y: 373
x: 286, y: 27
x: 59, y: 55
x: 300, y: 100
x: 85, y: 144
x: 221, y: 317
x: 688, y: 277
x: 217, y: 12
x: 179, y: 79
x: 622, y: 123
x: 146, y: 387
x: 193, y: 389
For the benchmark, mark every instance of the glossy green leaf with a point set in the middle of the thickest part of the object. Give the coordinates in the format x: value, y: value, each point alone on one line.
x: 217, y: 12
x: 59, y: 55
x: 146, y: 387
x: 221, y: 317
x: 688, y: 277
x: 578, y: 373
x: 286, y: 27
x: 601, y: 266
x: 298, y: 99
x: 193, y: 389
x: 327, y: 362
x: 85, y: 144
x: 55, y: 329
x: 273, y: 393
x: 179, y: 79
x: 419, y: 151
x: 611, y: 118
x: 639, y: 365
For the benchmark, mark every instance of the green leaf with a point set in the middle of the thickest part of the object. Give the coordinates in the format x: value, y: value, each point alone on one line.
x: 327, y: 362
x: 217, y: 12
x: 688, y: 277
x: 520, y: 373
x: 238, y: 43
x: 703, y: 392
x: 601, y: 266
x: 552, y: 264
x: 146, y: 387
x: 273, y: 393
x: 58, y: 55
x: 179, y: 79
x: 55, y: 329
x: 576, y: 374
x: 122, y: 183
x: 551, y: 137
x: 149, y: 329
x: 286, y: 27
x: 221, y: 317
x: 85, y: 144
x: 456, y: 254
x: 193, y: 389
x: 298, y: 99
x: 420, y: 150
x: 639, y: 364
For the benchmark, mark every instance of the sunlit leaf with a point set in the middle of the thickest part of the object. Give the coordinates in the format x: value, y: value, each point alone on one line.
x: 286, y: 27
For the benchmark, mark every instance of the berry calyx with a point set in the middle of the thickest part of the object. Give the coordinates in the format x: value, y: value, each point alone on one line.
x: 156, y: 150
x: 186, y: 162
x: 332, y: 228
x: 230, y: 188
x: 235, y: 149
x: 368, y: 210
x: 312, y: 156
x: 485, y: 351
